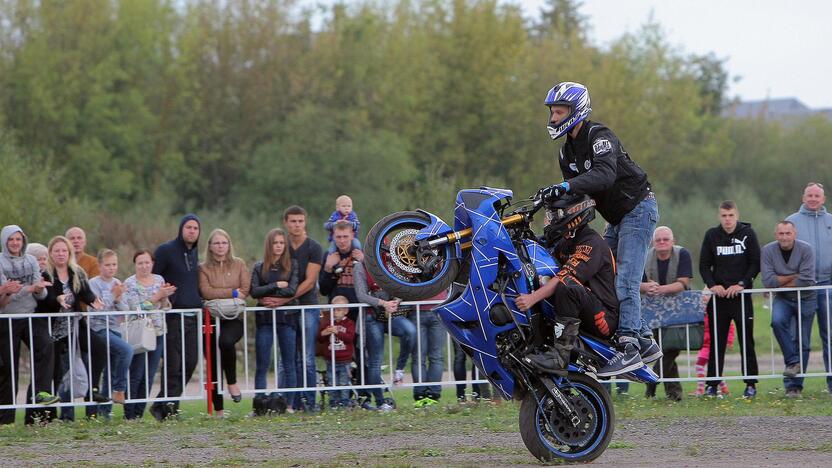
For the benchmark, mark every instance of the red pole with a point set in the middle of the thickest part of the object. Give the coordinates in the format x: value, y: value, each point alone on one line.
x: 209, y: 384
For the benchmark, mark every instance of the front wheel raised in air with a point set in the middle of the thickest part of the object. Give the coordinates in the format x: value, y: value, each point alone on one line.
x: 399, y: 267
x: 549, y: 434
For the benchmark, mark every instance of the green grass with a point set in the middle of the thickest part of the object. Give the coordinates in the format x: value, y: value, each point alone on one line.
x: 240, y: 430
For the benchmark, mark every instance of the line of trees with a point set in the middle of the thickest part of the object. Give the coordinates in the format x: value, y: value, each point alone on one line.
x: 130, y: 112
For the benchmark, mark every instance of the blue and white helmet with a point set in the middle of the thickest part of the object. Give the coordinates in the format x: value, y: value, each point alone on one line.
x: 574, y: 95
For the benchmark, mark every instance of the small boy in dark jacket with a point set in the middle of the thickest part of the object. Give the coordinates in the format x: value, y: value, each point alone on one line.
x: 339, y: 335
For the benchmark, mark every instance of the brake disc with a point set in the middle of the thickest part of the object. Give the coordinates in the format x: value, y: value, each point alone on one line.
x: 401, y: 251
x: 564, y: 431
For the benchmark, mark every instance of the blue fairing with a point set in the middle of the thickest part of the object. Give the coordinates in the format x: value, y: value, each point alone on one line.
x: 467, y: 316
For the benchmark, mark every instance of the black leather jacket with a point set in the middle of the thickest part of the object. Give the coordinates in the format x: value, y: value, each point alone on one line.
x: 596, y: 164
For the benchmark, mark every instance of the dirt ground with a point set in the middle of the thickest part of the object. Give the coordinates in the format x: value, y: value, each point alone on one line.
x: 723, y: 441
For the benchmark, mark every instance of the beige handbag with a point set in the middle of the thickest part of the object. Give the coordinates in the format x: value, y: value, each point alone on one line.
x: 226, y: 309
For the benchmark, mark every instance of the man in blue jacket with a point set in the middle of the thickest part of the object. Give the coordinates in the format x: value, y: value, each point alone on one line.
x: 814, y: 226
x: 177, y: 261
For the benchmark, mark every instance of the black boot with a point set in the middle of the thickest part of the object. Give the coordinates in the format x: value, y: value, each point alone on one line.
x: 556, y: 359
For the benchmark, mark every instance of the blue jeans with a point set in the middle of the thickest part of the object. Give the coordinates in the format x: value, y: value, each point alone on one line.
x: 428, y: 365
x: 823, y: 326
x: 120, y: 357
x: 341, y: 378
x: 286, y: 342
x: 629, y: 241
x: 143, y: 369
x: 306, y: 353
x: 374, y: 346
x: 405, y: 330
x: 785, y: 326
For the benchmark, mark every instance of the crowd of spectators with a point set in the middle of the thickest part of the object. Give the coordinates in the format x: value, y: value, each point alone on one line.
x: 729, y: 261
x: 296, y: 271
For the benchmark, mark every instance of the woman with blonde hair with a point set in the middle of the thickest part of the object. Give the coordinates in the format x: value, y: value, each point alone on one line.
x: 224, y: 276
x: 68, y: 289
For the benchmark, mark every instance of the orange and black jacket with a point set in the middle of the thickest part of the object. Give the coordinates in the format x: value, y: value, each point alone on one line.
x: 587, y: 259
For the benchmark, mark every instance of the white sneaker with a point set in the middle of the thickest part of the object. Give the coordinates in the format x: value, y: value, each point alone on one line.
x: 385, y: 408
x: 398, y: 376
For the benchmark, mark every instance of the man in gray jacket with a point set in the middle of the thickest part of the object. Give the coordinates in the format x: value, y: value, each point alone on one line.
x: 790, y: 263
x: 22, y: 272
x: 814, y: 225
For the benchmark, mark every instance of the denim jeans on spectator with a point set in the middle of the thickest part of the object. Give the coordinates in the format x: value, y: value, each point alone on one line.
x: 374, y: 344
x: 824, y: 297
x: 629, y: 241
x: 119, y: 360
x: 311, y: 318
x: 405, y: 331
x: 121, y: 356
x: 340, y: 379
x: 784, y: 322
x: 287, y: 333
x: 143, y: 369
x: 428, y: 359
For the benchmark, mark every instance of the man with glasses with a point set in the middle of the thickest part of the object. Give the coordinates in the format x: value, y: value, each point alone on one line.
x: 668, y: 271
x: 814, y: 226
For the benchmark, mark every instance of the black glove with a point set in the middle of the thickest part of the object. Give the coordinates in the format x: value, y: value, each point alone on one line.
x: 552, y: 193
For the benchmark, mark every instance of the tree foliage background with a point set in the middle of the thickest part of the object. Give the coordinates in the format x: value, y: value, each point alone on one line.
x: 121, y: 115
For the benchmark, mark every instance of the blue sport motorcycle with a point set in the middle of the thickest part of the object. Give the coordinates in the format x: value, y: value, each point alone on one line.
x: 489, y: 257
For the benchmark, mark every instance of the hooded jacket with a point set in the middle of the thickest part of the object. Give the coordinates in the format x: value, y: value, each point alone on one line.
x: 179, y: 266
x: 726, y: 259
x: 815, y: 227
x: 23, y: 268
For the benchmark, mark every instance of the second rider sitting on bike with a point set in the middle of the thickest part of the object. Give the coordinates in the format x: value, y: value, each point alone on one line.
x: 583, y: 290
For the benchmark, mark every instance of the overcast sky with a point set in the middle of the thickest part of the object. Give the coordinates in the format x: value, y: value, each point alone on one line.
x: 776, y: 48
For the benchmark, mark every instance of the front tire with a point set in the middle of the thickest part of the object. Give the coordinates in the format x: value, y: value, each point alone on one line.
x: 574, y: 444
x: 390, y: 257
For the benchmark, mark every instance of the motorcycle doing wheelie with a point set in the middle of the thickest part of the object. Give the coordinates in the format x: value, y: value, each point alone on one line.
x: 490, y: 256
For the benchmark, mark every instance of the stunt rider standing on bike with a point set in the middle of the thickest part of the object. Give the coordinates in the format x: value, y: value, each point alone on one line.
x: 584, y: 288
x: 593, y: 162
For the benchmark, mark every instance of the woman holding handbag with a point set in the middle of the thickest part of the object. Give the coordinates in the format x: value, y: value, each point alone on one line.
x: 272, y: 279
x: 224, y: 283
x: 146, y: 291
x: 68, y: 289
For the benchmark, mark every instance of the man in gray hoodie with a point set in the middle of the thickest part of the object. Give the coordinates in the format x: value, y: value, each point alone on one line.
x: 814, y: 225
x: 21, y: 271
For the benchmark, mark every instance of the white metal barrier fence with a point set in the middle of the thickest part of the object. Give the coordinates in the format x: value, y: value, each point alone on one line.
x: 57, y: 357
x: 308, y: 318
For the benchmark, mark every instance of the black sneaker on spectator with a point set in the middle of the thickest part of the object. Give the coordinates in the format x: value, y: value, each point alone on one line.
x: 627, y: 359
x: 650, y: 350
x: 98, y: 397
x: 792, y: 370
x: 712, y: 392
x: 750, y: 391
x: 46, y: 398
